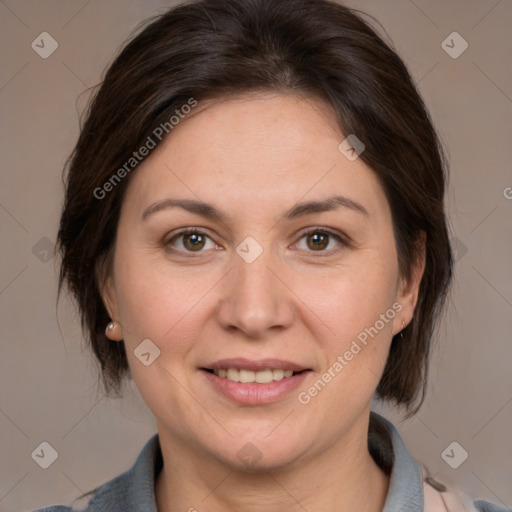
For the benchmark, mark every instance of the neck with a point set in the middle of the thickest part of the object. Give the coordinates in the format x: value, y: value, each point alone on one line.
x: 343, y: 478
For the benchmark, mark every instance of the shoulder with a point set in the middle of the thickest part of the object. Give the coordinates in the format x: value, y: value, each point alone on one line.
x: 131, y: 491
x: 452, y: 501
x: 411, y: 487
x: 439, y: 498
x: 485, y: 506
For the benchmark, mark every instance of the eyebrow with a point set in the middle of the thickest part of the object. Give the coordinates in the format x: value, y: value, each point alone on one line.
x: 211, y: 212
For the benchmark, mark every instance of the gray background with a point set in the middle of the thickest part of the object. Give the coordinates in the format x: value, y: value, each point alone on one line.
x: 48, y: 382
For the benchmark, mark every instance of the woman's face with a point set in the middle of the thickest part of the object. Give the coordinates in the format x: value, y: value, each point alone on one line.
x: 289, y: 265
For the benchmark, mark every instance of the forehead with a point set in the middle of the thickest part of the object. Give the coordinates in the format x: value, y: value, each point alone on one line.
x: 267, y: 149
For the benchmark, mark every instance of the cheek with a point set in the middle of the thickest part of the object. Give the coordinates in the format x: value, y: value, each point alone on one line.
x: 166, y: 309
x: 353, y: 297
x: 359, y: 316
x: 148, y: 303
x: 163, y: 303
x: 354, y: 311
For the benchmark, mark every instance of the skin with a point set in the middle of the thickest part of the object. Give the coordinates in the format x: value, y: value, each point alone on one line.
x: 254, y: 157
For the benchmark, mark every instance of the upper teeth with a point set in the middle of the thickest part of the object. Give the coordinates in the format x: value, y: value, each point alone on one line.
x: 247, y: 376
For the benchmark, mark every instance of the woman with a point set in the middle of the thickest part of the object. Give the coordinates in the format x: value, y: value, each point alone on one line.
x: 254, y: 232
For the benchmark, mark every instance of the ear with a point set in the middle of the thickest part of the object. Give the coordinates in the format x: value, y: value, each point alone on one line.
x: 408, y: 290
x: 107, y: 291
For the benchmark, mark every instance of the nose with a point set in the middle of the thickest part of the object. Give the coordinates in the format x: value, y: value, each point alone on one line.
x: 254, y: 300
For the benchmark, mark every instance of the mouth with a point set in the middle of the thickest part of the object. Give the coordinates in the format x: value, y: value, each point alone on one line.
x: 255, y: 382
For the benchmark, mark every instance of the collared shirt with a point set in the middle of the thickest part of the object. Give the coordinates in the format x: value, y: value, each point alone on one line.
x: 409, y: 489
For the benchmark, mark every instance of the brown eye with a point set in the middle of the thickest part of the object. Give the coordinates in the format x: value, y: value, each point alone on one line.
x: 191, y: 241
x: 317, y: 241
x: 321, y: 240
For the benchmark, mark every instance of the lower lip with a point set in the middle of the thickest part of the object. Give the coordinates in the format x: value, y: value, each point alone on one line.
x: 254, y: 393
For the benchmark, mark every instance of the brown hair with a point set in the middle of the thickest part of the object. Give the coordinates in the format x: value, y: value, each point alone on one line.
x: 213, y: 48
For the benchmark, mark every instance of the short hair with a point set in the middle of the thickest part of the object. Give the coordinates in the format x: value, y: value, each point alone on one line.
x: 210, y: 49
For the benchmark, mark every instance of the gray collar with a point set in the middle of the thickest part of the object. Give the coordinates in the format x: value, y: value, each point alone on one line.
x: 134, y: 490
x: 406, y: 485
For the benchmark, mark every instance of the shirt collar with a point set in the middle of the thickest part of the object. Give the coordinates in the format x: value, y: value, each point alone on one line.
x: 406, y: 485
x: 134, y: 490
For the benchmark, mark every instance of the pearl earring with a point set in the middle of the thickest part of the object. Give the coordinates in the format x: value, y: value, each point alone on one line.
x: 110, y: 327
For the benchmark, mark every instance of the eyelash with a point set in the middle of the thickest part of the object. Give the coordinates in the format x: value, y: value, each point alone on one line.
x: 315, y: 230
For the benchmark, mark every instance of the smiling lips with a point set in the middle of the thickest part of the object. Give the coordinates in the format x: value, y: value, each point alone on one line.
x: 255, y: 382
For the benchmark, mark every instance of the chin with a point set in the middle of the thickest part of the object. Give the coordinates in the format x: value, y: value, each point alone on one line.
x: 261, y: 455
